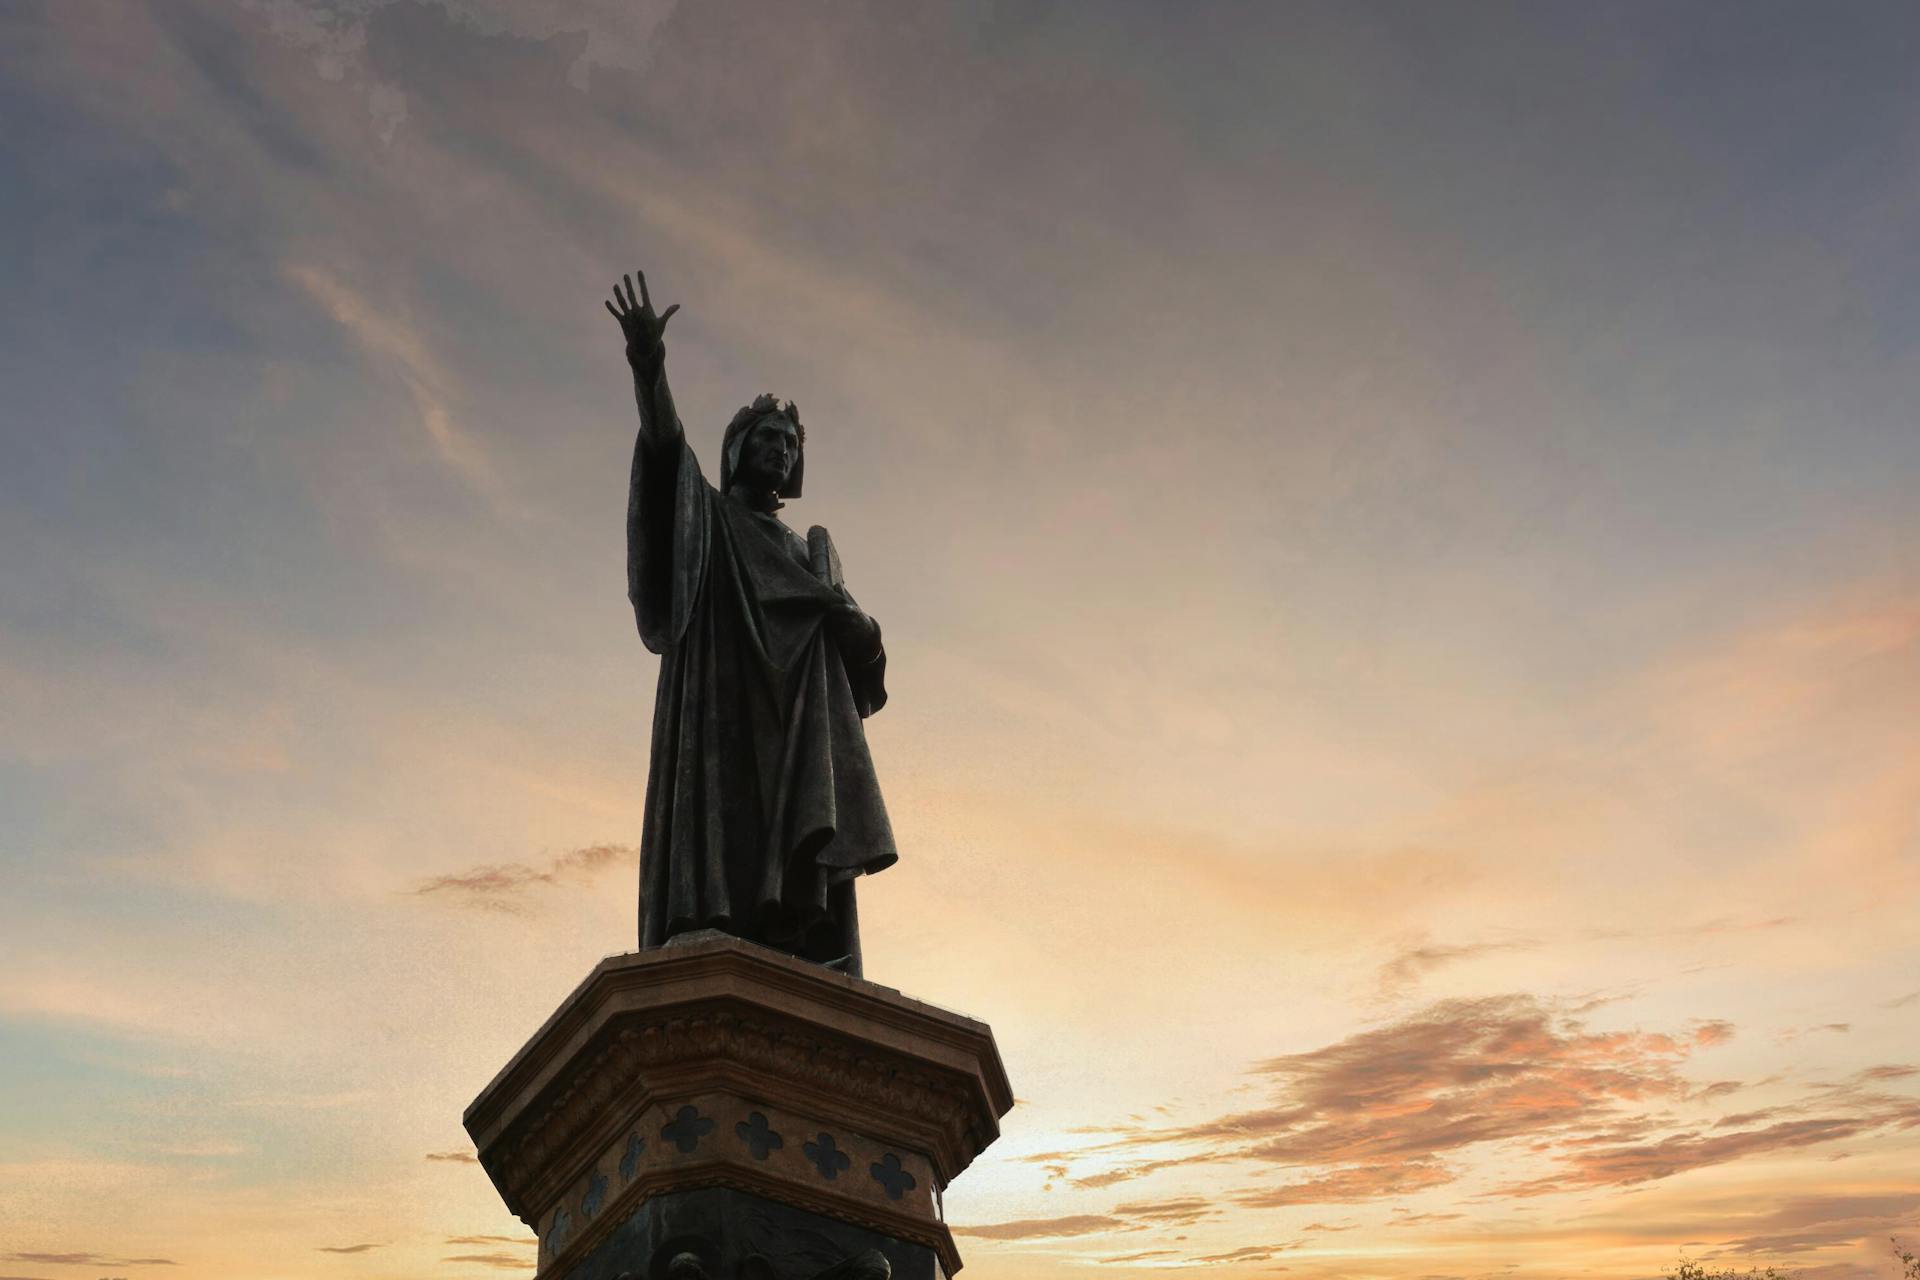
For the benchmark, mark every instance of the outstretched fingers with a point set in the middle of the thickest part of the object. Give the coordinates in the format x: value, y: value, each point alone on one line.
x: 625, y: 306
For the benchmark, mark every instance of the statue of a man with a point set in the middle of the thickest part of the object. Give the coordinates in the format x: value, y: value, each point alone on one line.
x: 762, y: 804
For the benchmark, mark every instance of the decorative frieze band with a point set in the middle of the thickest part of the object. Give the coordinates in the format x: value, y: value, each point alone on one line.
x: 876, y: 1091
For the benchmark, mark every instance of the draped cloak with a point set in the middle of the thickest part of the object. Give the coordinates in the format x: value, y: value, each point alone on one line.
x: 762, y: 803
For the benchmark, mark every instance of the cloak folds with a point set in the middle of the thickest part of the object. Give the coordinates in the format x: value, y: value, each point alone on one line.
x: 762, y: 803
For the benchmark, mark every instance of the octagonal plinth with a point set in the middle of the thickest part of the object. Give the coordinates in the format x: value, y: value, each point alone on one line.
x: 716, y: 1063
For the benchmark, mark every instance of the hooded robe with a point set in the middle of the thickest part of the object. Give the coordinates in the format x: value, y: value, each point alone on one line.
x: 762, y: 803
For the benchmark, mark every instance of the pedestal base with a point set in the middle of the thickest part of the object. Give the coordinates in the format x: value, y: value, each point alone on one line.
x: 732, y: 1234
x: 723, y: 1093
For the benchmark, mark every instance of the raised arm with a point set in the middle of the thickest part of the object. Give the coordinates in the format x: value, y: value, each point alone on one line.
x: 647, y: 356
x: 664, y: 551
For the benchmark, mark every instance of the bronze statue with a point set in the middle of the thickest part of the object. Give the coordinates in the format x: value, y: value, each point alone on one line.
x: 762, y: 804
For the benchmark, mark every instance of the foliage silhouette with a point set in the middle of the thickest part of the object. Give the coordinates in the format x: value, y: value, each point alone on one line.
x: 1909, y: 1269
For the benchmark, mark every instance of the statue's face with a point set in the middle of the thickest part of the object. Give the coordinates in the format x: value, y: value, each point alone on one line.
x: 768, y: 455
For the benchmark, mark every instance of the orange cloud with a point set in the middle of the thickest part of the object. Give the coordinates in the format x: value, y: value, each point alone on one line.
x: 1459, y: 1073
x: 1712, y: 1032
x: 1375, y: 1114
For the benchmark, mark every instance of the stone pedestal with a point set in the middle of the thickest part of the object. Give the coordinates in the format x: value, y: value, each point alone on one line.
x: 717, y: 1109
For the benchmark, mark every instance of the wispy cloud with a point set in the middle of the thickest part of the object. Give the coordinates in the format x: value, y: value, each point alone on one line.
x: 498, y: 1261
x: 1159, y: 1215
x: 1178, y: 1212
x: 87, y: 1260
x: 1415, y: 962
x: 79, y: 998
x: 1078, y: 1224
x: 347, y: 1248
x: 385, y: 334
x: 1803, y: 1223
x: 1775, y: 680
x: 503, y: 886
x: 1888, y: 1071
x: 454, y: 1157
x: 1351, y: 1184
x: 1614, y: 1165
x: 1247, y: 1253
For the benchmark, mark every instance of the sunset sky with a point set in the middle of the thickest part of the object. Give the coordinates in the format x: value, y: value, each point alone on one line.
x: 1395, y: 525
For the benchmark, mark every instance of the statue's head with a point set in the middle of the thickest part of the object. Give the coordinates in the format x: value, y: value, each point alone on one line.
x: 765, y: 449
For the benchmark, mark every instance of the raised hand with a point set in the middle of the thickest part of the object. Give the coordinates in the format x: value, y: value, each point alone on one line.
x: 643, y: 328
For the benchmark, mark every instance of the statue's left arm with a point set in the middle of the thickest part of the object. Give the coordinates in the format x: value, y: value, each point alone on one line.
x: 857, y: 636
